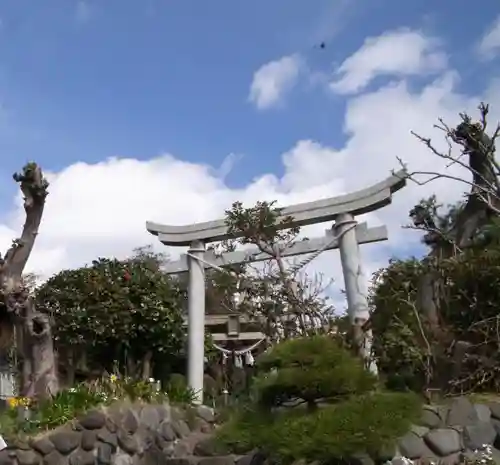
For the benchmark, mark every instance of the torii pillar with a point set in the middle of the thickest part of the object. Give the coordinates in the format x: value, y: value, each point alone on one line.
x: 341, y: 209
x: 356, y: 289
x: 196, y: 319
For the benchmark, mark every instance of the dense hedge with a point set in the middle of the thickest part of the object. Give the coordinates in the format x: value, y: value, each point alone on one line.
x: 369, y: 423
x: 353, y: 416
x: 469, y: 347
x: 310, y: 369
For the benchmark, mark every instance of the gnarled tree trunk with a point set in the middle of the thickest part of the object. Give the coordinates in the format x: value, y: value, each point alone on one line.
x: 39, y: 349
x: 39, y: 376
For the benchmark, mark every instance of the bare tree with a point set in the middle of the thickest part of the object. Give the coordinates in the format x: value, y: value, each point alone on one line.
x: 483, y: 199
x: 289, y: 301
x: 33, y: 328
x: 459, y: 231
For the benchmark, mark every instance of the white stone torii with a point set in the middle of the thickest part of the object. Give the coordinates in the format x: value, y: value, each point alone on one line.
x: 341, y: 209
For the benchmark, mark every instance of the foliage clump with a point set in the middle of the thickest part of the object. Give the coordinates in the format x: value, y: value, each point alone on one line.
x: 406, y: 349
x: 398, y: 345
x: 125, y: 312
x: 369, y: 423
x: 346, y: 414
x: 70, y: 403
x: 310, y: 369
x: 178, y: 389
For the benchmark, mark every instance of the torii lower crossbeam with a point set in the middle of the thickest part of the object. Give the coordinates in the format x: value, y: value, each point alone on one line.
x: 340, y: 209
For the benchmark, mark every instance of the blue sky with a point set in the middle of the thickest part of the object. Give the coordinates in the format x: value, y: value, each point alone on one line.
x: 88, y: 80
x: 83, y: 81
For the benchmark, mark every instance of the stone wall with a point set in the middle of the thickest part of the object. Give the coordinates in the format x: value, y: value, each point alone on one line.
x: 139, y: 434
x: 446, y: 435
x: 127, y: 434
x: 449, y: 432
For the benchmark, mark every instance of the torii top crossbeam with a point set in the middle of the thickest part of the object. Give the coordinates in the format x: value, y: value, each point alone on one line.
x: 357, y: 203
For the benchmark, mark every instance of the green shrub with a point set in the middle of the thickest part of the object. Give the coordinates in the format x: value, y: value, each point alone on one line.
x: 310, y: 368
x: 244, y: 429
x: 399, y: 348
x: 177, y: 381
x: 178, y: 390
x: 50, y: 413
x: 364, y: 424
x: 410, y: 355
x: 117, y: 387
x: 141, y: 304
x: 70, y: 403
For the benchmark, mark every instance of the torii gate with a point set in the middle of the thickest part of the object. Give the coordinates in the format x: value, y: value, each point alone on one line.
x: 345, y: 234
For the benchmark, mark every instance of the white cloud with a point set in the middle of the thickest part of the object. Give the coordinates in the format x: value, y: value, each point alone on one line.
x: 397, y: 53
x: 101, y: 209
x: 489, y: 46
x: 272, y: 81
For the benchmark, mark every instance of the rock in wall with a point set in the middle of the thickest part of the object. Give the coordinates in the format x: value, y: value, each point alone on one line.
x: 122, y: 434
x: 446, y: 434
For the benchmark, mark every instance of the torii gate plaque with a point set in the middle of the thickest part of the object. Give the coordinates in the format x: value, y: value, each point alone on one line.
x: 341, y: 209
